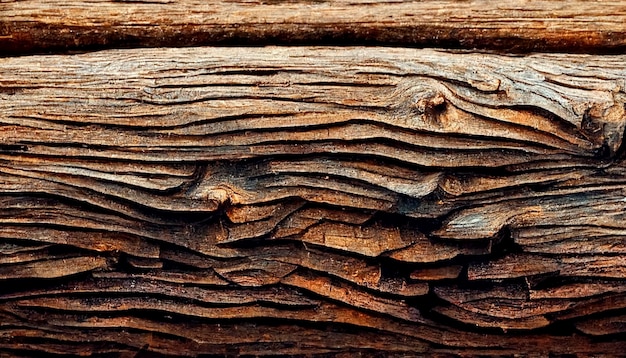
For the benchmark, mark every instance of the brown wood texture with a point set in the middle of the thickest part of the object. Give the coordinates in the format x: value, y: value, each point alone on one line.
x: 312, y: 201
x: 507, y: 25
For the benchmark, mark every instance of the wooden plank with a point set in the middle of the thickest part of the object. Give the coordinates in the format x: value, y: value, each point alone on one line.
x: 538, y: 25
x: 434, y: 199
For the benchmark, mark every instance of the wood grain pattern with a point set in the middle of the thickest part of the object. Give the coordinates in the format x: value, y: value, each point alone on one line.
x: 312, y: 200
x: 506, y: 25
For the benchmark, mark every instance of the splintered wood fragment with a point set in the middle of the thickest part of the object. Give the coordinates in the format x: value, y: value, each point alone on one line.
x: 368, y: 240
x: 25, y: 256
x: 12, y: 247
x: 580, y: 290
x: 402, y: 287
x: 437, y: 273
x: 208, y: 338
x: 357, y: 270
x: 514, y: 266
x: 530, y: 265
x: 165, y: 306
x: 600, y: 206
x: 482, y: 320
x: 424, y: 250
x: 256, y: 272
x: 516, y: 309
x: 105, y: 286
x: 304, y: 219
x: 579, y: 26
x: 186, y: 278
x: 513, y: 302
x: 253, y: 229
x: 395, y: 178
x: 52, y: 268
x: 581, y: 245
x: 458, y: 295
x: 610, y: 302
x: 342, y: 293
x: 572, y: 239
x: 143, y: 263
x: 90, y: 240
x: 615, y: 324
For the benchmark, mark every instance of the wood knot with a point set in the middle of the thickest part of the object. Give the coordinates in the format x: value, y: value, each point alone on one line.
x: 425, y: 102
x: 220, y: 195
x: 605, y: 126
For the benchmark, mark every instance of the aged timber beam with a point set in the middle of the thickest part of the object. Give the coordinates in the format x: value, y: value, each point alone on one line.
x: 312, y: 200
x: 506, y: 25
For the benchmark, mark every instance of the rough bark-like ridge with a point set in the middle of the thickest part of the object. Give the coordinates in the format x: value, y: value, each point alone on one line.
x: 312, y: 201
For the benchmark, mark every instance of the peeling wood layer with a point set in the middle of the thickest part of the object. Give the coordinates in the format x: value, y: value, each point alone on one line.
x: 312, y: 201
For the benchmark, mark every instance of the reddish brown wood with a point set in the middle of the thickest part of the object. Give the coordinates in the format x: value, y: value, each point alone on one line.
x: 506, y: 25
x: 310, y: 200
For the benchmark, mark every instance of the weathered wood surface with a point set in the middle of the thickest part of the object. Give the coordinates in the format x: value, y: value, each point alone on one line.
x: 507, y: 25
x: 312, y: 201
